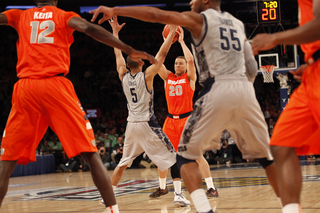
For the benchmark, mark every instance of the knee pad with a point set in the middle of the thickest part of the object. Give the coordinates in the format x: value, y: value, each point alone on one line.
x: 264, y: 162
x: 175, y: 171
x: 181, y: 160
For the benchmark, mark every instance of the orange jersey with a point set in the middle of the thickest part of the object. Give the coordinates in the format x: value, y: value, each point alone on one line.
x: 306, y: 15
x: 43, y: 50
x: 178, y: 94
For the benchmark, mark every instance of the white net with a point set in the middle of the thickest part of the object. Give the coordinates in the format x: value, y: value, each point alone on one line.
x: 267, y: 72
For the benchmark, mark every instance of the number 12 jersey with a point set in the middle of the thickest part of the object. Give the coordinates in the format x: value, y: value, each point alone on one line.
x: 43, y: 51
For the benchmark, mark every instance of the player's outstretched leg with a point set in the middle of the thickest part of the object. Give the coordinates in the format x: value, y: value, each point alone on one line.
x: 101, y: 180
x: 270, y: 169
x: 117, y: 175
x: 205, y: 170
x: 6, y: 170
x: 289, y: 177
x: 192, y: 178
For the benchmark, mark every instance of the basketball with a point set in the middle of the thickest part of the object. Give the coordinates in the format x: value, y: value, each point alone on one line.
x: 166, y: 31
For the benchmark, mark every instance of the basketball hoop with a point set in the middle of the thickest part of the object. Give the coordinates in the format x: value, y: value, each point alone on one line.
x: 267, y: 72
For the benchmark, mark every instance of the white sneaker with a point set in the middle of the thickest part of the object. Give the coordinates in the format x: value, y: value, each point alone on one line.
x: 180, y: 200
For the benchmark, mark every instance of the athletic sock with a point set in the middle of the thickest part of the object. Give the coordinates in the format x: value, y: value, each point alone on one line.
x: 177, y: 186
x: 114, y: 187
x: 291, y: 208
x: 113, y: 209
x: 209, y: 183
x: 200, y: 200
x: 162, y: 183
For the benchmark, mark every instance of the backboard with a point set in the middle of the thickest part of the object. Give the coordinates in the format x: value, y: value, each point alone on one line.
x: 283, y: 57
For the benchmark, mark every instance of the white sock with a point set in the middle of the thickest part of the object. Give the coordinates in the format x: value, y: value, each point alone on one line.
x: 279, y: 199
x: 209, y: 183
x: 200, y: 200
x: 291, y: 208
x: 162, y: 183
x: 113, y: 209
x: 177, y: 186
x: 114, y: 187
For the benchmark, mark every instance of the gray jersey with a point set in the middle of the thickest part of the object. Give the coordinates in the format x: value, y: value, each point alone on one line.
x: 139, y: 98
x: 225, y: 57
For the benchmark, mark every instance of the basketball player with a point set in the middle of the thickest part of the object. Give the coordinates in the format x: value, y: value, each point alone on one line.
x: 297, y: 129
x: 227, y: 100
x: 179, y: 90
x: 44, y: 97
x: 143, y: 134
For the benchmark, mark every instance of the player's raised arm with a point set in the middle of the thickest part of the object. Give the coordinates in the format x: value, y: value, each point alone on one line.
x: 152, y: 70
x: 191, y: 69
x: 102, y: 35
x: 120, y: 61
x: 191, y: 20
x: 3, y: 19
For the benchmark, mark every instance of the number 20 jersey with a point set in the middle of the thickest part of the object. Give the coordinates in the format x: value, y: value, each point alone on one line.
x: 219, y: 49
x: 178, y: 94
x: 44, y: 29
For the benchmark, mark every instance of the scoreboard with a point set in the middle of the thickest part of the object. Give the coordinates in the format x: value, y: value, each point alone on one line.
x: 268, y: 11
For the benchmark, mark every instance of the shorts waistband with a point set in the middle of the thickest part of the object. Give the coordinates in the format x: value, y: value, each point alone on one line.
x: 60, y: 74
x: 315, y: 56
x: 184, y: 115
x: 230, y: 77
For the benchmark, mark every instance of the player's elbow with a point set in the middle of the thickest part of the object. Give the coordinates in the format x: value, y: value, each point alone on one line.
x: 190, y: 62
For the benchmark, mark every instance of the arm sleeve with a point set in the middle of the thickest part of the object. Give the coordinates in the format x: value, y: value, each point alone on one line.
x: 250, y: 62
x: 69, y: 15
x: 13, y: 17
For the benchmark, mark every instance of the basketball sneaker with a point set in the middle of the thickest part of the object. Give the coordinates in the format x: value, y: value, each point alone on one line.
x: 212, y: 193
x: 180, y: 200
x: 159, y: 192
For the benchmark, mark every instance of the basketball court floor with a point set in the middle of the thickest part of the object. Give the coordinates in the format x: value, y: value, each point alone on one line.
x: 243, y: 188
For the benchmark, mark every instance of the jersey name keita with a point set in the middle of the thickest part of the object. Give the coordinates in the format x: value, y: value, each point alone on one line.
x: 39, y: 15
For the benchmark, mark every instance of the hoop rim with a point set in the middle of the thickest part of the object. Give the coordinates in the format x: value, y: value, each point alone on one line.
x: 267, y: 68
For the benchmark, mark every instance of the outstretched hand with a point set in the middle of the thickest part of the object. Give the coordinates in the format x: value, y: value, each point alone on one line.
x: 263, y: 42
x: 297, y: 74
x: 181, y: 34
x: 137, y: 56
x: 115, y: 24
x: 107, y: 14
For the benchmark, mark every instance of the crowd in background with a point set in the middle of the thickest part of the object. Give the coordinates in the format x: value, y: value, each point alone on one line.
x: 97, y: 85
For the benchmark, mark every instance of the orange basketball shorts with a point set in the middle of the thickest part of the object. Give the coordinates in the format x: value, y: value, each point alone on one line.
x: 299, y: 124
x: 37, y: 104
x: 173, y: 129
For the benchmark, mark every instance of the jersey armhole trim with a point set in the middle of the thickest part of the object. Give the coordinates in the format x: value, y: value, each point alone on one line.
x: 205, y: 32
x: 145, y: 83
